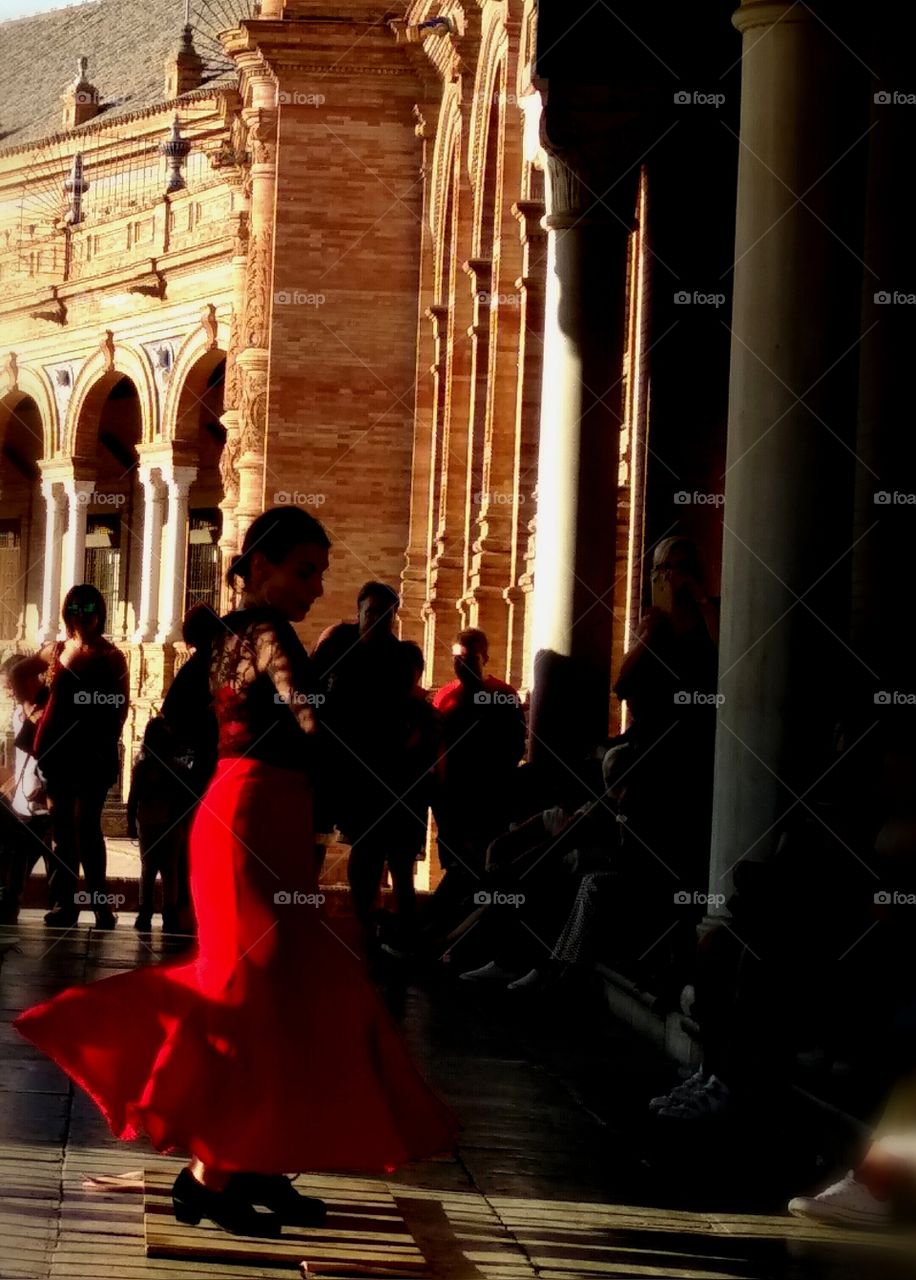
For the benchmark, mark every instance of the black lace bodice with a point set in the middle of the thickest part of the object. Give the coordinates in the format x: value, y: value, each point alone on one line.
x: 263, y: 690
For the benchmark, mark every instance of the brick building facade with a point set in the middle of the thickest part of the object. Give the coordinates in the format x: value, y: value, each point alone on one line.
x: 290, y: 257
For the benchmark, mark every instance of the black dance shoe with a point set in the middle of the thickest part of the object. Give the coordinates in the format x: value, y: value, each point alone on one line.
x: 191, y: 1201
x: 61, y: 918
x: 276, y: 1192
x: 105, y: 919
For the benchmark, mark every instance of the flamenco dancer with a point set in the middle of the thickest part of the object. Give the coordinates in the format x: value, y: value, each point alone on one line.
x: 269, y: 1052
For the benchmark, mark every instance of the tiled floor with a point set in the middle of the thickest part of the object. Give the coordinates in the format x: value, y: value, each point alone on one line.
x: 547, y: 1182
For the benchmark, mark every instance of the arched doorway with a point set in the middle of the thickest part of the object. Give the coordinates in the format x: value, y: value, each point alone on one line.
x: 21, y: 509
x: 108, y: 434
x: 199, y: 440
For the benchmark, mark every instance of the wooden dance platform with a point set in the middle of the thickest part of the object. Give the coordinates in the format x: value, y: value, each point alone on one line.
x: 365, y: 1234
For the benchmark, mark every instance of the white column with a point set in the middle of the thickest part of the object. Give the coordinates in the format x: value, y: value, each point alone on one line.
x: 591, y: 191
x: 153, y: 519
x: 78, y: 494
x: 174, y: 547
x: 53, y: 494
x: 783, y: 662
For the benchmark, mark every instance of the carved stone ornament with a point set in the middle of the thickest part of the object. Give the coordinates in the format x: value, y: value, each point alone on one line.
x: 228, y: 466
x: 208, y: 324
x: 107, y: 348
x: 253, y: 411
x: 9, y: 372
x: 231, y: 382
x: 257, y: 289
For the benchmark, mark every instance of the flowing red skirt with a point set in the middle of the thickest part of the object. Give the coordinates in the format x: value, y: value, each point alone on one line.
x: 269, y: 1051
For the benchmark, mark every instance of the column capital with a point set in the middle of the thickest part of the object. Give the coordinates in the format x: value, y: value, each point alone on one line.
x: 765, y: 13
x: 590, y: 141
x: 149, y: 473
x: 77, y: 490
x: 178, y: 479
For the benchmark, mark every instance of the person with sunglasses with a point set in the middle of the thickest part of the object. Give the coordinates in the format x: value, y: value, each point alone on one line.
x: 77, y: 750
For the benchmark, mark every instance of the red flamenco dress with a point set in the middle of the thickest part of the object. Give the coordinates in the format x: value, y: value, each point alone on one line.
x: 269, y: 1052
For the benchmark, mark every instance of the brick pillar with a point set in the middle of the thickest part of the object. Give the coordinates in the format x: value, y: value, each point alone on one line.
x: 416, y: 559
x: 447, y: 579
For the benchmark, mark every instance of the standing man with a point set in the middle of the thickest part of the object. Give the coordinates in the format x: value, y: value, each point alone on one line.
x: 484, y: 739
x: 366, y: 677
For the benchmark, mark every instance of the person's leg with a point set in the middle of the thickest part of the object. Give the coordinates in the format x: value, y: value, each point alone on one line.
x: 63, y: 877
x: 91, y: 846
x: 364, y: 872
x: 170, y: 847
x: 401, y: 865
x: 149, y: 867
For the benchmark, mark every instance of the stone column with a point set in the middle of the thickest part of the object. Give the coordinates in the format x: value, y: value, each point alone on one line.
x: 783, y: 672
x: 178, y: 481
x: 530, y: 286
x: 228, y: 462
x: 886, y: 480
x: 55, y: 502
x: 590, y: 156
x: 78, y: 494
x: 261, y: 121
x: 151, y: 552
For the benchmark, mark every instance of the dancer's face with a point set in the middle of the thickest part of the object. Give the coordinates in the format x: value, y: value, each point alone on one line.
x: 293, y: 585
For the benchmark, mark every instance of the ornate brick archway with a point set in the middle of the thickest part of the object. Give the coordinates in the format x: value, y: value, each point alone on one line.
x: 95, y: 380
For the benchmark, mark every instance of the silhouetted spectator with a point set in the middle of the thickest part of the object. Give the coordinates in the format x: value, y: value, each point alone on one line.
x: 188, y: 711
x: 370, y: 712
x: 77, y: 749
x: 157, y: 809
x: 484, y: 739
x: 27, y: 836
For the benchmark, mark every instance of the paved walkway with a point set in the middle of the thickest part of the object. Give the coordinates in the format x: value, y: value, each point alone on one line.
x: 547, y: 1183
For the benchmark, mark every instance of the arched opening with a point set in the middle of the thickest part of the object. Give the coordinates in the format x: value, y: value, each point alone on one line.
x: 108, y: 434
x: 21, y: 519
x: 199, y: 440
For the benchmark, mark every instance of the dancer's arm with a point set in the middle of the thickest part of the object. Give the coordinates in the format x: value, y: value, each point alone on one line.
x: 279, y: 654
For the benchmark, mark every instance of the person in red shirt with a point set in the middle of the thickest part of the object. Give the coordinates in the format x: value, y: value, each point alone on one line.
x: 483, y: 727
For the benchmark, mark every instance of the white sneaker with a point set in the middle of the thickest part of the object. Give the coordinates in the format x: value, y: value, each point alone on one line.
x: 680, y: 1091
x: 846, y: 1202
x: 490, y: 972
x: 711, y: 1098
